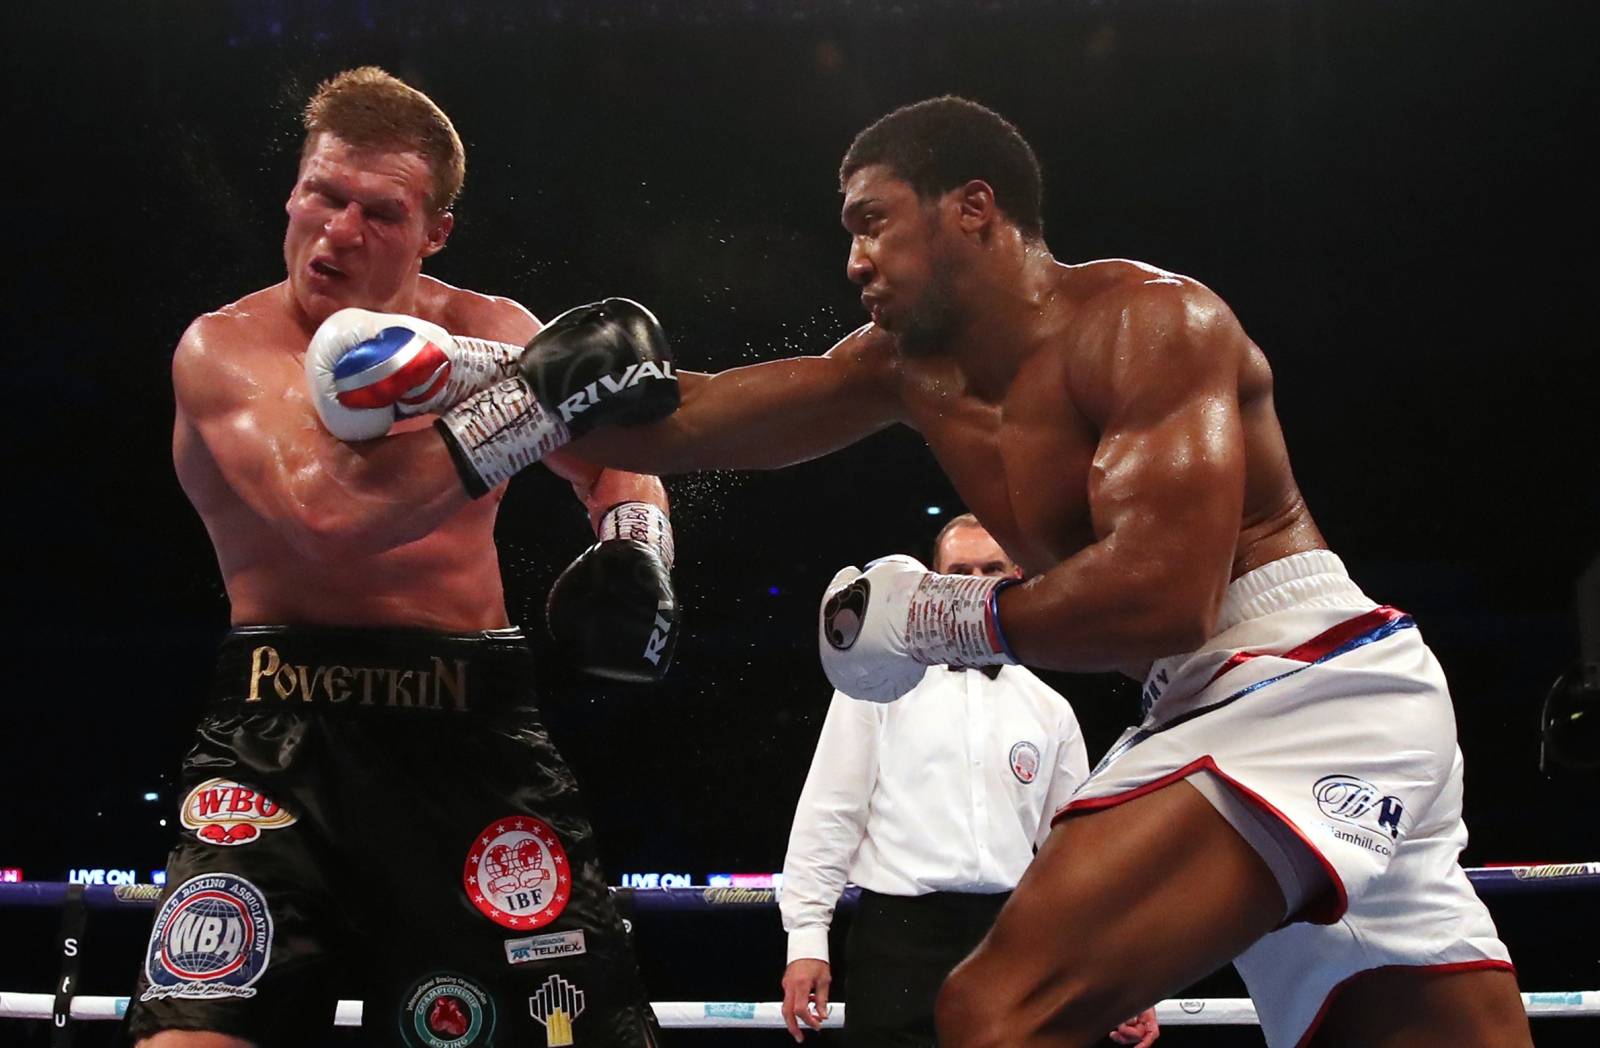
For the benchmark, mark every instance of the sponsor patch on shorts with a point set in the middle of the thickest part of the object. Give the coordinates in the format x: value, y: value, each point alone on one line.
x: 212, y: 939
x: 517, y: 873
x: 228, y: 813
x: 447, y: 1011
x: 1358, y: 803
x: 545, y: 947
x: 1025, y: 761
x: 556, y: 1007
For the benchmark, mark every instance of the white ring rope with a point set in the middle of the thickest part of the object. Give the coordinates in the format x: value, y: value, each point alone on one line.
x: 708, y: 1015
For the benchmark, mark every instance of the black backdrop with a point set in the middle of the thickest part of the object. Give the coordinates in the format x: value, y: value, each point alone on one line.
x: 1389, y: 196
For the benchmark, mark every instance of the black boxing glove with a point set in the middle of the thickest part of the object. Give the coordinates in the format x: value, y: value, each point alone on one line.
x: 607, y: 363
x: 613, y: 610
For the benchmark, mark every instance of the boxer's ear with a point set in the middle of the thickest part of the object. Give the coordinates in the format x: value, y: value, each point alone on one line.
x: 438, y: 233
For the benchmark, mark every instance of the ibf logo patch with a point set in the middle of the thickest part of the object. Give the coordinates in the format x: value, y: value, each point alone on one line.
x: 1025, y: 761
x: 227, y: 813
x: 545, y: 947
x: 844, y: 613
x: 1358, y: 802
x: 447, y: 1011
x: 517, y: 873
x: 212, y: 939
x: 556, y: 1006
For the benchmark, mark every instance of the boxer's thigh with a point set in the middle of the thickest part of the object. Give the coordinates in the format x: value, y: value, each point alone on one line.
x: 1121, y: 907
x: 1423, y: 1008
x: 242, y: 945
x: 485, y: 904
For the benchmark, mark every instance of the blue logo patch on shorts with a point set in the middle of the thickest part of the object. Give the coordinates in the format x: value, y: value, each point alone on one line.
x: 1358, y: 802
x: 211, y: 939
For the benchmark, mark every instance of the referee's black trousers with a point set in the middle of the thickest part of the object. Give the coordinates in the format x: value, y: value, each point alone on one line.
x: 899, y: 950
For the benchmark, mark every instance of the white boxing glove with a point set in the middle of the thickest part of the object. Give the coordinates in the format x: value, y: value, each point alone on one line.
x: 364, y: 370
x: 879, y: 629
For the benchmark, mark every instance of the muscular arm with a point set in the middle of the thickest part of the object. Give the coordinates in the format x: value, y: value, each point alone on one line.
x: 600, y: 488
x: 764, y: 416
x: 597, y: 487
x: 1166, y: 492
x: 244, y: 427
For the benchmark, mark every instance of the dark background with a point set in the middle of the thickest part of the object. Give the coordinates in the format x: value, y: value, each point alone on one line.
x: 1389, y: 195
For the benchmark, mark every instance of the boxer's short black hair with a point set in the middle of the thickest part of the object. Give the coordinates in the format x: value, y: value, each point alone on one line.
x: 941, y: 143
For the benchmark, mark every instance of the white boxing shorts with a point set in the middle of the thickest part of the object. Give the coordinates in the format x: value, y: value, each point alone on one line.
x: 1320, y: 725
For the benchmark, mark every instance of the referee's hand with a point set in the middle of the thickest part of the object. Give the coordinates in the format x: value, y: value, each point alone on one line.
x: 805, y: 994
x: 1141, y: 1031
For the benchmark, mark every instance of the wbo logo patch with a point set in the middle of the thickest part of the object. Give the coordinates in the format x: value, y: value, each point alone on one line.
x: 517, y: 873
x: 211, y: 939
x: 226, y: 813
x: 556, y: 1007
x: 1358, y: 802
x: 447, y: 1011
x: 1025, y: 761
x: 545, y: 947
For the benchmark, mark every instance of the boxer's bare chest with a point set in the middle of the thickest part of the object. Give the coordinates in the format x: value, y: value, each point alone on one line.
x: 1020, y: 463
x: 271, y: 354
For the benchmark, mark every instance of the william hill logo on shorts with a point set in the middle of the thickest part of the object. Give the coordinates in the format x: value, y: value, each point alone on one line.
x: 227, y: 813
x: 439, y: 686
x: 1358, y: 802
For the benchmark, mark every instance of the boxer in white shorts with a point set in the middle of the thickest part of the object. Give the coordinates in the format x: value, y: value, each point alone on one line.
x: 1114, y: 428
x: 1320, y: 726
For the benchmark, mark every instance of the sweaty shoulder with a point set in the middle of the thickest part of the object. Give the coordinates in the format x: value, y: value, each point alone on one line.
x: 461, y: 311
x: 1138, y: 325
x: 870, y: 350
x: 212, y: 358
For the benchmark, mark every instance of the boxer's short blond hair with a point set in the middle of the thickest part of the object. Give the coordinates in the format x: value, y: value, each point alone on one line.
x: 369, y: 108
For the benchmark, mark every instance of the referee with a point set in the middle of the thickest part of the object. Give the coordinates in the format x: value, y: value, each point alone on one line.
x: 933, y: 805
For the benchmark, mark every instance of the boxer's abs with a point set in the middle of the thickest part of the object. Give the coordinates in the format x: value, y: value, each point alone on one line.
x: 443, y: 582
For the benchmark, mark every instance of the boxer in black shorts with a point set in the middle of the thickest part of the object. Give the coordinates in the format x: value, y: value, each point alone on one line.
x: 373, y: 810
x: 379, y: 815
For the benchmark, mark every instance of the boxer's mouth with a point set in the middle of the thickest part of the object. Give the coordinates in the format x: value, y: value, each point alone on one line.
x: 323, y: 268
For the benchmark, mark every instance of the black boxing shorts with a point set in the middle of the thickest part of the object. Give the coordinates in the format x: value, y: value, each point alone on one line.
x: 378, y: 815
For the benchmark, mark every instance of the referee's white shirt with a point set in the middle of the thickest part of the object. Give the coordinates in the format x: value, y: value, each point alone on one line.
x: 950, y: 788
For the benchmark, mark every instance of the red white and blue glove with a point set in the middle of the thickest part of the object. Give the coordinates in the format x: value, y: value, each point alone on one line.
x: 365, y: 370
x: 879, y: 629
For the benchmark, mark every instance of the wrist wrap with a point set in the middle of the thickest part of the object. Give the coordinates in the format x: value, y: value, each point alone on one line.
x: 953, y: 620
x: 642, y: 522
x: 493, y: 434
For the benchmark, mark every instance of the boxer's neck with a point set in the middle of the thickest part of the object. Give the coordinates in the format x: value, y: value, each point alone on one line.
x: 1005, y: 306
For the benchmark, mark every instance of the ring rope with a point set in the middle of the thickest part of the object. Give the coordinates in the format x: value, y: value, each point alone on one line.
x: 768, y: 1015
x: 1488, y: 882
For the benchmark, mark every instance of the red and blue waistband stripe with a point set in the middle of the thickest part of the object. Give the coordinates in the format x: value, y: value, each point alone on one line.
x: 1367, y: 628
x: 1347, y: 636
